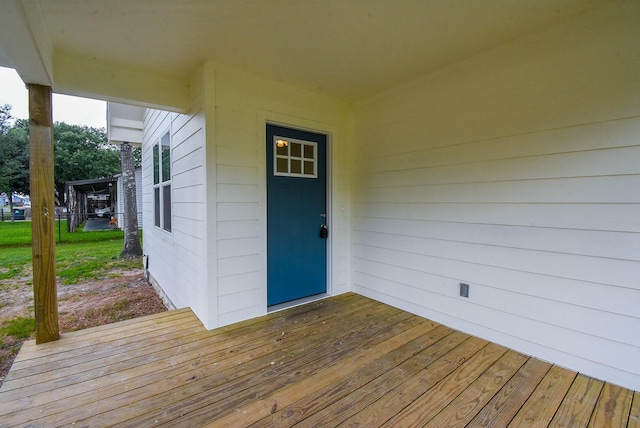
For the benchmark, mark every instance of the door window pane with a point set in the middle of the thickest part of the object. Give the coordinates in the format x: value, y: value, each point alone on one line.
x: 308, y: 151
x: 296, y: 167
x: 282, y: 165
x: 296, y: 158
x: 296, y: 150
x: 308, y: 168
x: 282, y: 150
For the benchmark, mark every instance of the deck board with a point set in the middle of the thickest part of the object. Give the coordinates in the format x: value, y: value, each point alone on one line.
x: 398, y: 355
x: 613, y: 407
x: 509, y: 400
x: 634, y: 413
x: 369, y: 397
x: 346, y: 360
x: 578, y: 405
x: 466, y: 405
x: 263, y: 376
x: 428, y: 400
x: 543, y: 403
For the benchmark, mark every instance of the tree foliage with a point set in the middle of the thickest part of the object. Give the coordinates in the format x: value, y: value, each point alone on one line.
x: 14, y: 153
x: 5, y: 118
x: 82, y: 153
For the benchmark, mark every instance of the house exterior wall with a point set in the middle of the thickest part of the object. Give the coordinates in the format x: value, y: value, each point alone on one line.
x: 243, y: 104
x: 177, y: 259
x: 516, y: 171
x: 214, y: 260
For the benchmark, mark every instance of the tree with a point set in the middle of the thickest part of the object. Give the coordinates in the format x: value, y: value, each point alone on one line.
x: 5, y: 118
x: 82, y: 153
x: 137, y: 157
x: 132, y: 246
x: 14, y: 155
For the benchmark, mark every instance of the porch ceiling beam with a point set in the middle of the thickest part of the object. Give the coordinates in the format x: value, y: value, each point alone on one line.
x: 25, y: 43
x: 42, y: 213
x: 121, y: 130
x: 90, y: 77
x: 26, y: 47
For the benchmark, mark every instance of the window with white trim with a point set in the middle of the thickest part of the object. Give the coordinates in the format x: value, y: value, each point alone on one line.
x: 295, y: 158
x: 162, y: 182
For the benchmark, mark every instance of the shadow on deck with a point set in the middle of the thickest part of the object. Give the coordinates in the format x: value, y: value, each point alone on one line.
x: 343, y: 361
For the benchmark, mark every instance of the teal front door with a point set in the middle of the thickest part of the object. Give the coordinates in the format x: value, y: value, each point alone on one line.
x: 296, y: 214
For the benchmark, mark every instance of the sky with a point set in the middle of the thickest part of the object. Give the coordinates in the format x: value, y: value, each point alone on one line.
x: 68, y: 109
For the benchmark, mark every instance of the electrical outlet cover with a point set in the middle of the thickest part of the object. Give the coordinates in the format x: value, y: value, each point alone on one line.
x: 464, y: 290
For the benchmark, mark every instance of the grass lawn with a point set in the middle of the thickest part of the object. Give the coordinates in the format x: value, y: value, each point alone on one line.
x: 74, y: 261
x: 93, y: 280
x: 88, y: 260
x: 19, y: 233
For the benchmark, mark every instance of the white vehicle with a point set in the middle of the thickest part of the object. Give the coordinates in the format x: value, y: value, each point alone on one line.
x: 103, y: 212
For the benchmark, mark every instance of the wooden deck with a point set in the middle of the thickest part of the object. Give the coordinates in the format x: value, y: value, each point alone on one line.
x: 342, y: 361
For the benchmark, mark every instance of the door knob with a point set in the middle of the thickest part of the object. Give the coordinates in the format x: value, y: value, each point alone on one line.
x: 324, y: 231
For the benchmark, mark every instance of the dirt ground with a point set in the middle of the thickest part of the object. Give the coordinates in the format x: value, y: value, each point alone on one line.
x: 121, y: 295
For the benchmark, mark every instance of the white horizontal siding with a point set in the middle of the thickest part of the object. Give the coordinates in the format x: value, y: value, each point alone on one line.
x: 239, y: 301
x: 609, y: 189
x: 228, y: 211
x: 184, y: 179
x: 419, y: 267
x: 238, y: 229
x: 581, y: 139
x: 239, y: 214
x: 522, y: 184
x: 244, y: 312
x: 189, y: 193
x: 607, y: 271
x: 617, y: 161
x: 237, y: 247
x: 512, y: 305
x: 234, y: 174
x: 238, y: 265
x: 186, y: 165
x: 237, y: 192
x: 610, y: 217
x: 615, y: 245
x: 189, y: 210
x: 238, y: 283
x: 243, y: 104
x: 186, y: 241
x: 236, y: 156
x: 177, y: 259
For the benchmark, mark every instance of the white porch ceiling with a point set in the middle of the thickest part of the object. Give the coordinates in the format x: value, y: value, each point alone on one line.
x: 345, y: 49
